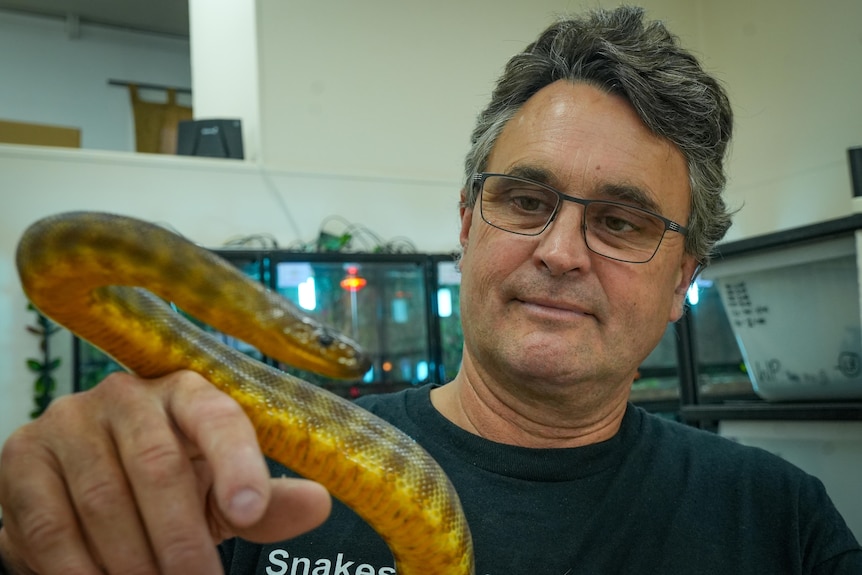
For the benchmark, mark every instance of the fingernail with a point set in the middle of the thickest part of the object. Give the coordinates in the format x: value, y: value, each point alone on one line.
x: 246, y: 506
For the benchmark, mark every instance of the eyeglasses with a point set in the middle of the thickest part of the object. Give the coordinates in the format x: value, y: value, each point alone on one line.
x: 611, y: 229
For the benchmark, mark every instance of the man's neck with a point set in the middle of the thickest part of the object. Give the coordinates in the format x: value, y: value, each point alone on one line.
x: 571, y: 417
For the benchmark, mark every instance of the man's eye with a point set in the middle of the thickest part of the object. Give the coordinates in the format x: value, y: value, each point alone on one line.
x: 618, y: 224
x: 528, y: 203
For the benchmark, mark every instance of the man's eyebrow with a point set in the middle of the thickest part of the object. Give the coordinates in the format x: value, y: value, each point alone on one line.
x: 629, y: 194
x: 623, y: 193
x: 534, y: 173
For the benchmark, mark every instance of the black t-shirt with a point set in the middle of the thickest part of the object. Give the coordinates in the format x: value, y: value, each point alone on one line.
x: 658, y: 498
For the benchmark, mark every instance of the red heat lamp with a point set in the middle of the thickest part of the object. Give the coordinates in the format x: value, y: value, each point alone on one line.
x: 353, y: 282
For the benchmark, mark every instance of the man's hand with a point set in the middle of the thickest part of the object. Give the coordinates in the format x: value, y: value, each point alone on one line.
x: 139, y: 476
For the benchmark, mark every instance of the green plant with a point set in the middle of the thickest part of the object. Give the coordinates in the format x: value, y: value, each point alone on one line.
x: 45, y: 384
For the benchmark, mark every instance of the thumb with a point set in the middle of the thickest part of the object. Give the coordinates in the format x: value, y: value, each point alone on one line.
x: 295, y: 507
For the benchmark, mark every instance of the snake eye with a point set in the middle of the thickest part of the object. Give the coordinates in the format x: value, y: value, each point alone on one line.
x: 325, y: 339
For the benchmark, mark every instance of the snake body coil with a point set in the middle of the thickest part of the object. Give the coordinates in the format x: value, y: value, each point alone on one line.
x: 93, y: 273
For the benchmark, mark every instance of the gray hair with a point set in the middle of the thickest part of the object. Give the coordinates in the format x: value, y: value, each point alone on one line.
x: 676, y: 99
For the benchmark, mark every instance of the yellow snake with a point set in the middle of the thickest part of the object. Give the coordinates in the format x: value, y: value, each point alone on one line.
x: 93, y: 273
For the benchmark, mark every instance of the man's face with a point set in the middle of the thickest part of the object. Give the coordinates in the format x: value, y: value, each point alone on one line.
x: 544, y: 310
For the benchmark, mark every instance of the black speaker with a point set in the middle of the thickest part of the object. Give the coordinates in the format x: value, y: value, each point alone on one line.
x: 854, y: 157
x: 210, y: 138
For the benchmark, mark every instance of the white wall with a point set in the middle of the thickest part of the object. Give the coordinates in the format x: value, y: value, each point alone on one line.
x: 394, y: 88
x: 388, y: 88
x: 51, y: 78
x: 794, y: 72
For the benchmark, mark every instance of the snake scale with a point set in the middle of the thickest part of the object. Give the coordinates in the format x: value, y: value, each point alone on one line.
x: 106, y: 278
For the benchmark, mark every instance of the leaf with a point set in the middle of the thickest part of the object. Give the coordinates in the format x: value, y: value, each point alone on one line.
x: 34, y: 364
x: 35, y: 330
x: 46, y: 383
x: 53, y: 364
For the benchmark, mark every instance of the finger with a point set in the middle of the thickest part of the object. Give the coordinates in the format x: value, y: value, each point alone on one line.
x: 40, y: 528
x: 164, y: 482
x: 104, y: 502
x: 247, y: 502
x: 220, y: 429
x: 94, y: 476
x: 296, y: 506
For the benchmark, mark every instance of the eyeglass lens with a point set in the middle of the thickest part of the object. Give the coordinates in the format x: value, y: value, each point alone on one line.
x: 616, y: 231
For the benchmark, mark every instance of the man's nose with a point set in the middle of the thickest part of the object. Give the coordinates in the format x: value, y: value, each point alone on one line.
x: 562, y: 247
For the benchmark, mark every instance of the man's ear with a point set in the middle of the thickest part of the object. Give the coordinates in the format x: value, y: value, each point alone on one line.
x: 466, y: 219
x: 688, y: 271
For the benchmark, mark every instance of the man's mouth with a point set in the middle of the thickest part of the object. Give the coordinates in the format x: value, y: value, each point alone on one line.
x: 554, y: 307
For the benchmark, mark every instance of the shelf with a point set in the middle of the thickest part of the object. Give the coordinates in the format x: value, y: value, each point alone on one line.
x: 658, y: 405
x: 761, y: 410
x: 782, y: 239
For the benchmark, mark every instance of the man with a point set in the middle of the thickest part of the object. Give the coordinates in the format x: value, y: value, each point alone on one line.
x: 592, y: 197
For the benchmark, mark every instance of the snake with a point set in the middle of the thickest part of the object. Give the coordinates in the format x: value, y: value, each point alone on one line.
x: 115, y: 280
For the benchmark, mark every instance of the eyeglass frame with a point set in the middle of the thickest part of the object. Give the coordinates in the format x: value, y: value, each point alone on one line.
x: 478, y: 181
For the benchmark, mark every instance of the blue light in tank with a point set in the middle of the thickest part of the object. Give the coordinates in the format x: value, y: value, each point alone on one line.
x: 444, y: 302
x: 695, y: 288
x: 422, y: 371
x: 399, y: 310
x: 693, y: 294
x: 307, y: 297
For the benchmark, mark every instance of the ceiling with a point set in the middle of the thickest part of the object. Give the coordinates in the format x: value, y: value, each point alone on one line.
x: 169, y: 17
